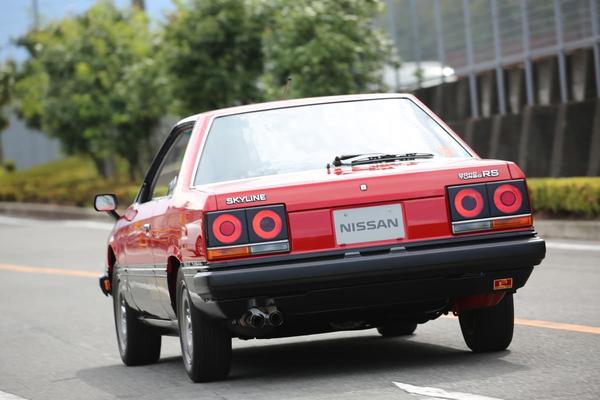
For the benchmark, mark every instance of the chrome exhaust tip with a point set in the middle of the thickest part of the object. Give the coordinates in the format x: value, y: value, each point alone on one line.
x: 275, y: 318
x: 254, y: 318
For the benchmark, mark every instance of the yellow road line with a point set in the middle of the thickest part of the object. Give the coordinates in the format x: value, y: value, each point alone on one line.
x: 551, y: 325
x: 89, y: 274
x: 558, y: 325
x: 48, y: 271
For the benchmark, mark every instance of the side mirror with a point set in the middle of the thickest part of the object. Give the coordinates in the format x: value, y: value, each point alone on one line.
x: 107, y: 203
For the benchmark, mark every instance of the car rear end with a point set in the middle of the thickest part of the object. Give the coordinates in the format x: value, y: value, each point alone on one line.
x: 359, y: 245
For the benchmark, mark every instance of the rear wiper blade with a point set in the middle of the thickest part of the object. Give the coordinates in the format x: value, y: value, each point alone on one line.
x: 359, y: 159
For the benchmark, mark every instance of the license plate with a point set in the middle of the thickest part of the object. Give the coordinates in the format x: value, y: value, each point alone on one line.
x: 368, y: 224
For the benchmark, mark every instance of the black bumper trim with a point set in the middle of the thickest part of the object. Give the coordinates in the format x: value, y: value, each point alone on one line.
x: 289, y: 258
x: 479, y: 255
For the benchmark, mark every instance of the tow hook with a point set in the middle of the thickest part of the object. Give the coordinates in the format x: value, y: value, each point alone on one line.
x: 105, y: 285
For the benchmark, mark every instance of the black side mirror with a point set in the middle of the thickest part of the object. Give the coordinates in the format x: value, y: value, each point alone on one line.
x: 107, y: 202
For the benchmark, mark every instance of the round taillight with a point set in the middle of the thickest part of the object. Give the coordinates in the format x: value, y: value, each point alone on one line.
x: 227, y: 228
x: 468, y: 203
x: 508, y: 198
x: 267, y: 224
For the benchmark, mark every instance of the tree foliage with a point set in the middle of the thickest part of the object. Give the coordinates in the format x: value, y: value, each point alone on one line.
x: 326, y: 47
x: 212, y: 54
x: 100, y: 81
x: 92, y: 82
x: 7, y: 81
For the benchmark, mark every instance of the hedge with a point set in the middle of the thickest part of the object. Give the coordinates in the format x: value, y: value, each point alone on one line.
x: 74, y: 181
x: 566, y: 197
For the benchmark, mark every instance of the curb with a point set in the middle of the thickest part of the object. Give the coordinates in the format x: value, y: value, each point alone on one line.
x: 567, y: 229
x: 50, y: 211
x: 547, y: 228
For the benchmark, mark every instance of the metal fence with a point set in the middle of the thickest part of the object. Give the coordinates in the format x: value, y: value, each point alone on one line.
x: 472, y: 36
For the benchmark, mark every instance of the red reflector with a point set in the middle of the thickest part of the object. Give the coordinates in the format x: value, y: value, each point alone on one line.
x: 504, y: 283
x: 468, y: 203
x: 227, y: 228
x: 267, y: 224
x: 508, y: 198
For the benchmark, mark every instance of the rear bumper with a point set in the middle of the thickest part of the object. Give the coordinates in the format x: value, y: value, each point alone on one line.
x: 372, y: 277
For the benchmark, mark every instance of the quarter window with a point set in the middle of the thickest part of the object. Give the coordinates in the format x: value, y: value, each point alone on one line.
x: 166, y: 177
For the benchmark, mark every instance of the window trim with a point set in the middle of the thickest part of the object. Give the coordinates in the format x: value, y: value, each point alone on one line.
x: 149, y: 181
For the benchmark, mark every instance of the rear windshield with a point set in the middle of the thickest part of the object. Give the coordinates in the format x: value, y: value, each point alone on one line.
x: 294, y: 139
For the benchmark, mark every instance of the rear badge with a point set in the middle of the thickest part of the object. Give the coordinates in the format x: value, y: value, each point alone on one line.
x: 246, y: 199
x: 504, y: 283
x: 363, y: 187
x: 490, y: 173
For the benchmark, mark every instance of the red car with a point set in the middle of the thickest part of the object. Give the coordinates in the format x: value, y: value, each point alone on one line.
x: 316, y: 215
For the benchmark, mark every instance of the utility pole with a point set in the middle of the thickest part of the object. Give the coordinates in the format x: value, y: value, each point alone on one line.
x: 36, y: 14
x: 139, y: 4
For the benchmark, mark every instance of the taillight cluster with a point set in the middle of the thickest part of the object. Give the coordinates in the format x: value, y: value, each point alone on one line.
x: 248, y: 231
x: 489, y: 206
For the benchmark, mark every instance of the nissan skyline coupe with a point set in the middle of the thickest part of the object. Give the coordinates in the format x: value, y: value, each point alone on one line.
x: 315, y: 215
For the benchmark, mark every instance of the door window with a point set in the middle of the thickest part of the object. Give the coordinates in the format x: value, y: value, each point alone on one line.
x: 166, y: 177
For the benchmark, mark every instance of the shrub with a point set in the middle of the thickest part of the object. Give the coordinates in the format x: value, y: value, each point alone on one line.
x: 72, y: 181
x: 9, y: 166
x: 75, y: 181
x: 576, y: 197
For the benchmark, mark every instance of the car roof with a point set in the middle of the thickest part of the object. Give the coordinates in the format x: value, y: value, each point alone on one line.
x: 291, y: 103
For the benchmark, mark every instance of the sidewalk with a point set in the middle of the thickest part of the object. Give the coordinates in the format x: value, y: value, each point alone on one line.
x: 547, y: 228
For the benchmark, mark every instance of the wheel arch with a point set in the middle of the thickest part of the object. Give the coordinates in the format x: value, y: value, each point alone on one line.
x: 111, y: 261
x: 173, y: 264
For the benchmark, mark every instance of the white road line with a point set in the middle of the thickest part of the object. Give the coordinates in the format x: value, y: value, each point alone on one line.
x: 14, y: 221
x: 436, y: 393
x: 8, y: 396
x: 572, y: 246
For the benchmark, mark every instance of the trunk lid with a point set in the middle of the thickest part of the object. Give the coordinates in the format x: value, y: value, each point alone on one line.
x: 311, y: 197
x: 340, y: 187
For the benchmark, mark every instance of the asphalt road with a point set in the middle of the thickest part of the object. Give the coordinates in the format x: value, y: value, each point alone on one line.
x: 57, y: 338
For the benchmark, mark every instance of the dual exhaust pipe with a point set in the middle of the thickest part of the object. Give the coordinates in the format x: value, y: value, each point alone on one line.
x: 257, y: 319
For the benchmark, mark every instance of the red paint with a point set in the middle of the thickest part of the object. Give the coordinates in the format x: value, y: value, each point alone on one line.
x: 177, y: 222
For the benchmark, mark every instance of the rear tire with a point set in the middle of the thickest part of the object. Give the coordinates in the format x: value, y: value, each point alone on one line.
x: 205, y: 342
x: 398, y: 328
x: 489, y: 329
x: 138, y: 343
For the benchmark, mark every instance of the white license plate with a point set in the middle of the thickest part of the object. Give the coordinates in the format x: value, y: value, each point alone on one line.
x: 368, y: 224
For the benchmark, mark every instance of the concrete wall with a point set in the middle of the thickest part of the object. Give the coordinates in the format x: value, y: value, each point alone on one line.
x: 546, y: 138
x: 27, y: 147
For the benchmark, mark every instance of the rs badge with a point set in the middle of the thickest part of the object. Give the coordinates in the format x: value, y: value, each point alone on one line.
x: 504, y: 283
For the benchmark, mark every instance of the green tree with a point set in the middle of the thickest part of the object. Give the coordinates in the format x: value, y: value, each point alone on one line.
x: 7, y: 81
x: 212, y: 53
x: 91, y: 81
x: 326, y: 47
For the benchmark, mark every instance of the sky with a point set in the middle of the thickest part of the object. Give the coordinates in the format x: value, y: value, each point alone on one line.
x: 16, y: 17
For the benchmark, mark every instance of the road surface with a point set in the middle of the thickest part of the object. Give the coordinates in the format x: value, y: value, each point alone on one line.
x: 57, y: 339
